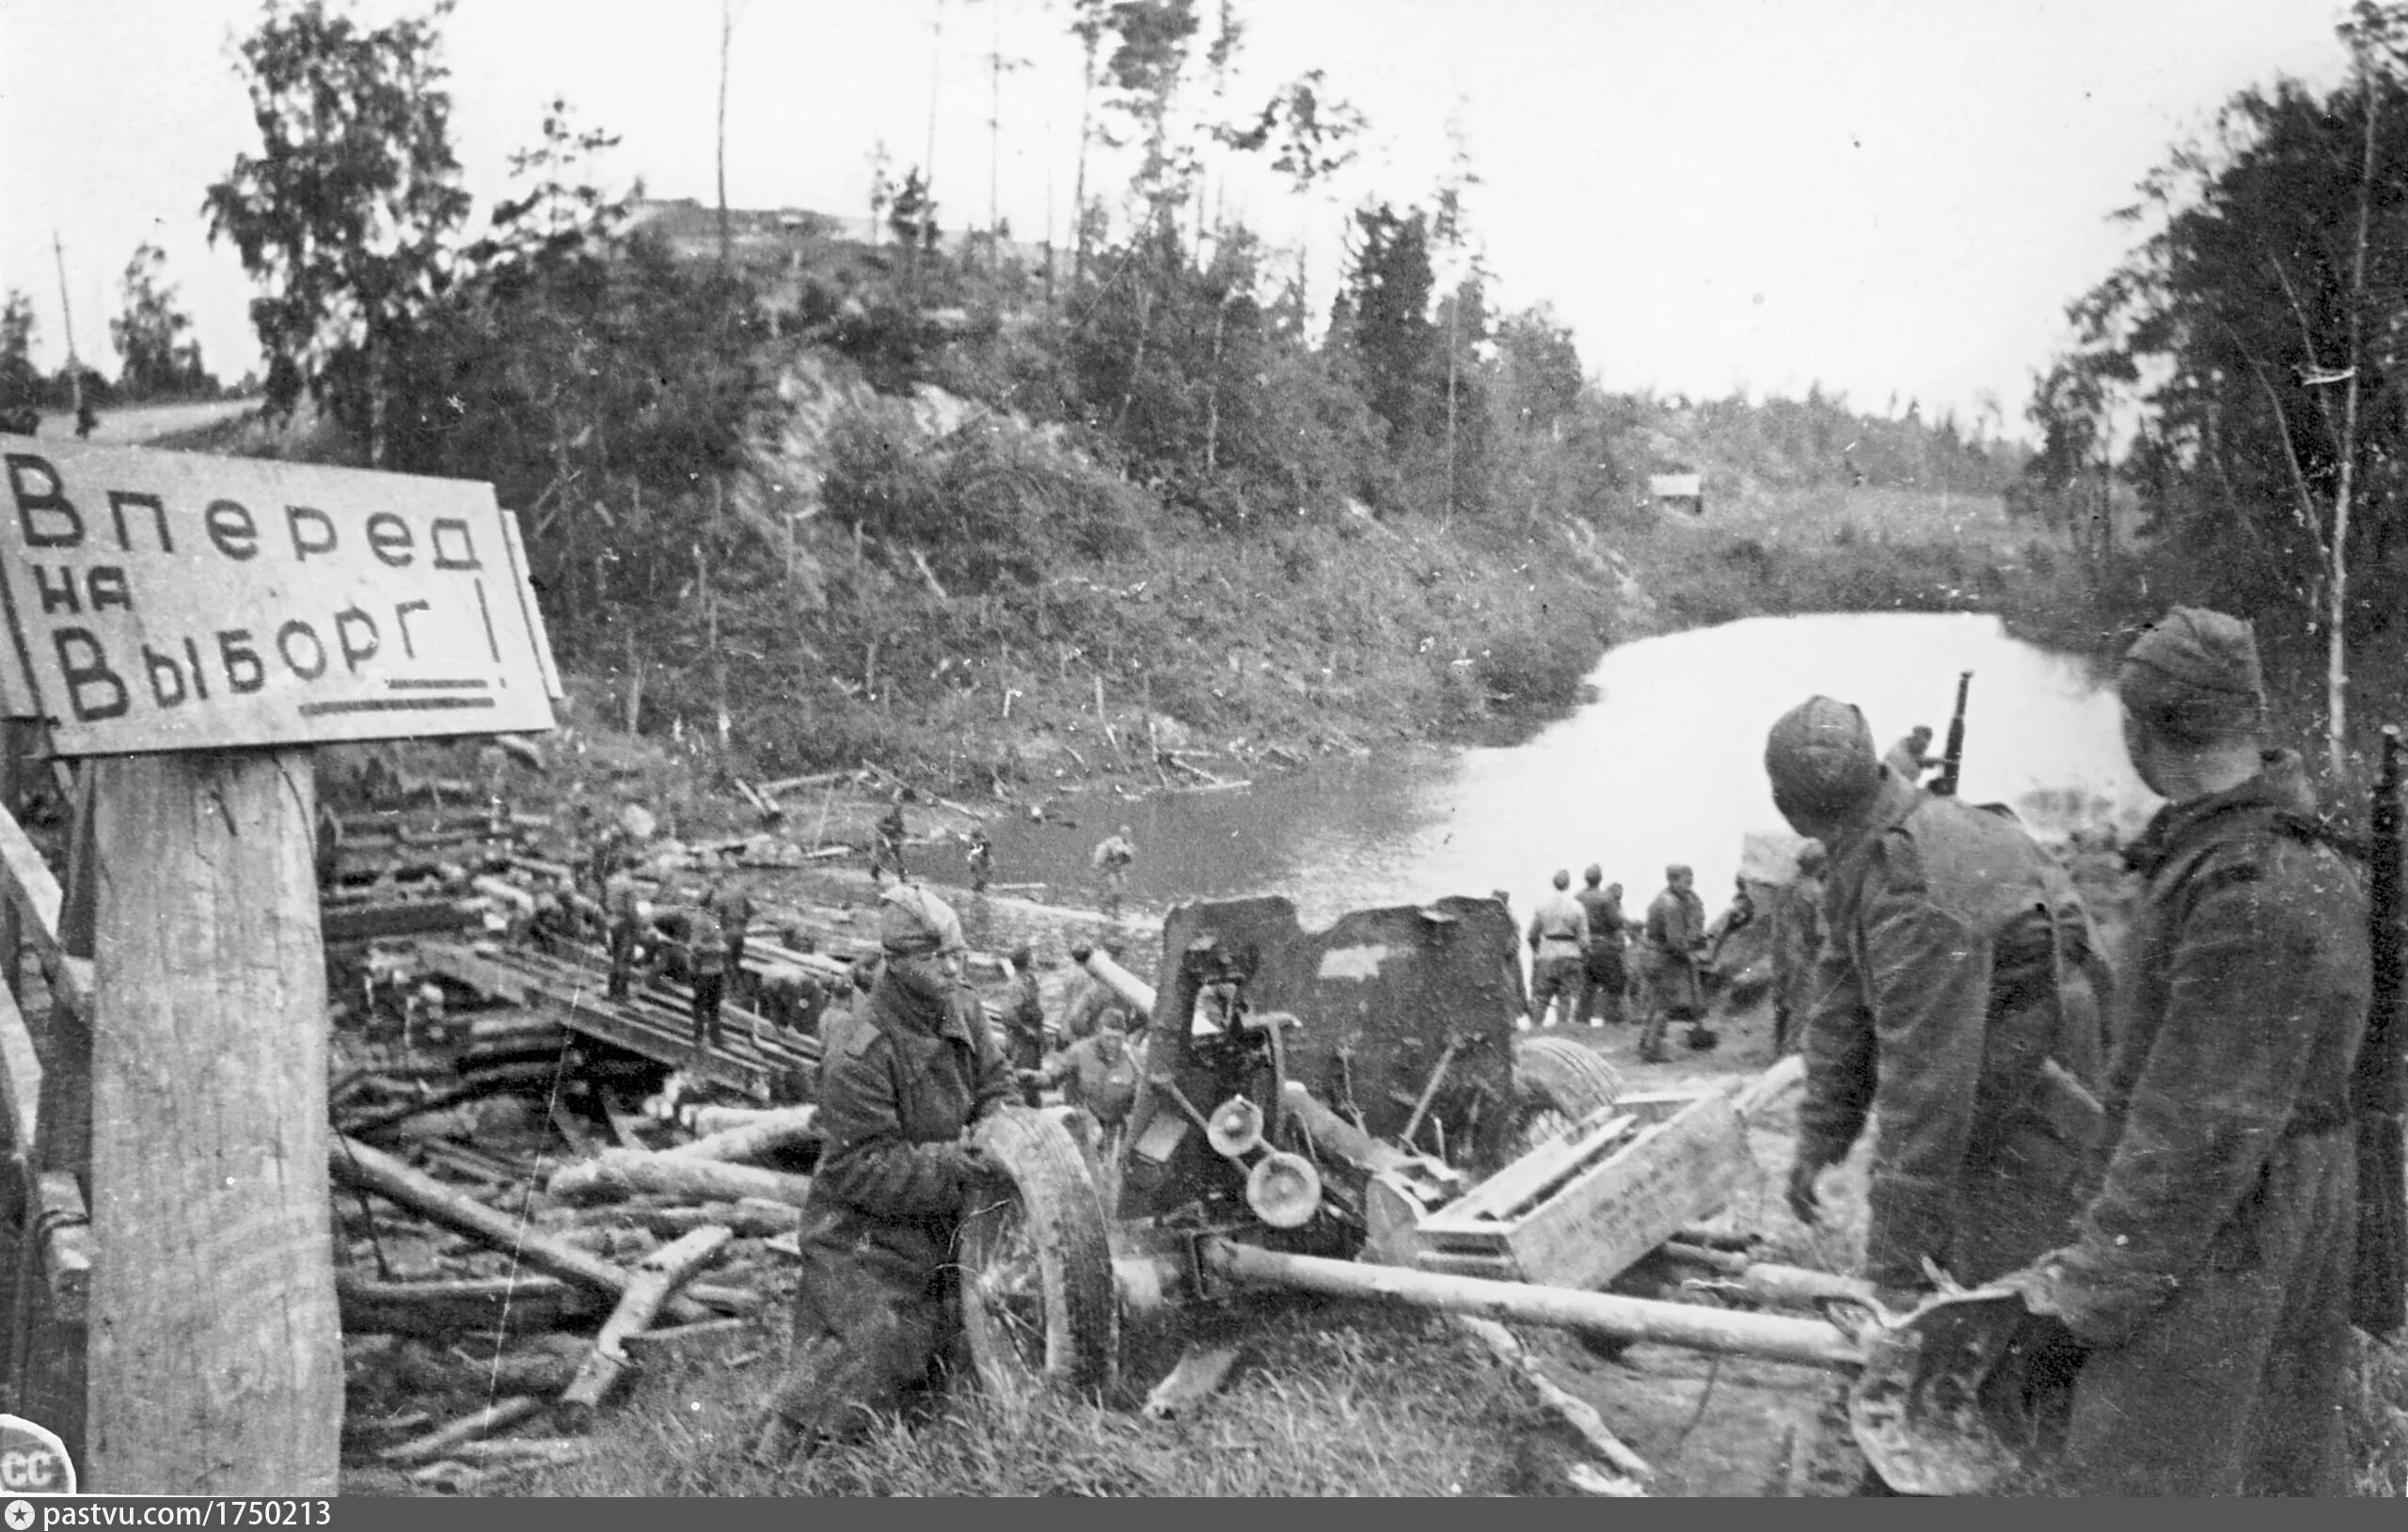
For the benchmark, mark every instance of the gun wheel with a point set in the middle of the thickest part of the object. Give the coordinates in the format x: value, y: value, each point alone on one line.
x: 1037, y: 1302
x: 1557, y: 1082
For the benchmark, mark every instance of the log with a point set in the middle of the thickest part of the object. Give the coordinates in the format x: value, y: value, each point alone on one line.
x: 680, y: 1335
x: 1575, y: 1413
x: 447, y: 1309
x: 616, y: 1172
x: 370, y: 1169
x: 518, y: 1452
x: 484, y: 1084
x: 658, y: 1275
x: 708, y: 1120
x: 750, y: 1141
x: 752, y: 1218
x: 1813, y: 1343
x: 498, y: 1416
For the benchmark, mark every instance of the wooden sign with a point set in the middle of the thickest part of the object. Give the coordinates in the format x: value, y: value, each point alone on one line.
x: 170, y: 601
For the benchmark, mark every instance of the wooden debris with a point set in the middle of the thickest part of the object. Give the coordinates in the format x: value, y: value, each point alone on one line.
x: 1575, y: 1413
x: 473, y: 1305
x: 1201, y: 1369
x: 679, y: 1334
x: 752, y: 1218
x: 657, y: 1276
x: 752, y: 1139
x: 493, y: 1417
x: 616, y: 1172
x: 371, y: 1169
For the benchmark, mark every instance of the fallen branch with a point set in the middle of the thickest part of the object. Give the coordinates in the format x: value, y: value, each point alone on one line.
x: 739, y: 1143
x: 679, y: 1334
x: 618, y: 1173
x: 366, y: 1168
x: 440, y: 1310
x: 658, y: 1275
x: 1575, y: 1413
x: 493, y: 1417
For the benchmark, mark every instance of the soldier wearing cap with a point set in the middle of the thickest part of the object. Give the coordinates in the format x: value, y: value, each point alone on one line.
x: 1025, y: 1018
x: 1952, y: 1001
x: 1559, y: 937
x: 2210, y: 1268
x: 901, y: 1084
x: 1603, y: 976
x: 1674, y: 935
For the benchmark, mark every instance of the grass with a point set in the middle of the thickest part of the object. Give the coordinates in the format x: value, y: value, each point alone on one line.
x: 1330, y: 1400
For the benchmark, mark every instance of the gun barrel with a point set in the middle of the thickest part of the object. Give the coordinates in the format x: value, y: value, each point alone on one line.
x: 1953, y: 756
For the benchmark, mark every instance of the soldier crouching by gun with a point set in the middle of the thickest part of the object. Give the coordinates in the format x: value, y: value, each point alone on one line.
x: 876, y: 1312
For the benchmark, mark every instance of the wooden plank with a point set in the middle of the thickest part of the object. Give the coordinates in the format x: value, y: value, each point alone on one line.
x: 1669, y: 1175
x: 19, y: 1080
x: 67, y: 1247
x: 31, y: 885
x: 1514, y: 1189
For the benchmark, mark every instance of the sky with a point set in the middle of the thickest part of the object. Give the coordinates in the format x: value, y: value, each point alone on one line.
x: 1893, y: 199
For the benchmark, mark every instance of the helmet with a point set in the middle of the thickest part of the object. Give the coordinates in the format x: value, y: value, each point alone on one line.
x: 1820, y: 757
x: 1563, y: 879
x: 1595, y: 875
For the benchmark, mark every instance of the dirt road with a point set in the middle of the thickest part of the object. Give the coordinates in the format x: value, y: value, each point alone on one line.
x: 139, y: 423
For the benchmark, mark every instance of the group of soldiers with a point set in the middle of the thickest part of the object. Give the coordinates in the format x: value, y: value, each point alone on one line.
x: 2159, y: 1160
x: 1111, y: 857
x: 1581, y: 953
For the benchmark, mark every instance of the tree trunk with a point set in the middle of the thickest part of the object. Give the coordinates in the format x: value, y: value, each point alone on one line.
x: 620, y: 1172
x: 726, y: 30
x: 2337, y: 623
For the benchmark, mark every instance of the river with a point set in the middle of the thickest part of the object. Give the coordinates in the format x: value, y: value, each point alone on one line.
x: 1666, y: 763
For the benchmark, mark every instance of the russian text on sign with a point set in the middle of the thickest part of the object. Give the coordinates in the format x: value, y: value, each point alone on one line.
x: 164, y: 601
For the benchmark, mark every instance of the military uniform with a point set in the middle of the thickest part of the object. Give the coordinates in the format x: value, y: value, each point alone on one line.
x: 2211, y: 1271
x: 1674, y: 930
x: 1796, y: 939
x: 1952, y: 967
x: 625, y: 908
x: 875, y: 1304
x: 706, y: 974
x: 1604, y: 975
x: 1559, y: 939
x: 1025, y: 1025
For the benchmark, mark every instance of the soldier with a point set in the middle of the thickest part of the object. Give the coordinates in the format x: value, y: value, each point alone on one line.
x: 1736, y: 916
x: 1603, y: 975
x: 1099, y: 1074
x: 1559, y: 939
x: 1673, y: 936
x: 1025, y: 1018
x: 2210, y: 1270
x: 1907, y: 759
x: 627, y: 909
x: 706, y: 967
x: 1112, y: 856
x: 888, y: 846
x: 901, y: 1085
x: 1951, y: 1000
x: 1089, y: 996
x: 734, y: 907
x: 982, y: 860
x: 1796, y: 938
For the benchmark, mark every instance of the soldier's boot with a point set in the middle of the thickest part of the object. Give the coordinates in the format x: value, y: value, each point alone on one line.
x: 1651, y: 1037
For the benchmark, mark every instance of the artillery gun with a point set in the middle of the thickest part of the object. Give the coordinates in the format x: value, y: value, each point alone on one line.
x: 1353, y: 1112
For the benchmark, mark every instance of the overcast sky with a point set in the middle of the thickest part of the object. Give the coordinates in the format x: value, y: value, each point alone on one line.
x: 1881, y: 195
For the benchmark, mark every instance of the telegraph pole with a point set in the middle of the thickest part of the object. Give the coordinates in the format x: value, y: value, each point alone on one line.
x: 67, y: 312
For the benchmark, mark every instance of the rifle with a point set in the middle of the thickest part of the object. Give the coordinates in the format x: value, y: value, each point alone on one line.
x: 1945, y: 783
x: 2379, y: 1081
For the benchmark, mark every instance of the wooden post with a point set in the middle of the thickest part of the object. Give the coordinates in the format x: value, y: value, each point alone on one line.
x: 216, y: 1359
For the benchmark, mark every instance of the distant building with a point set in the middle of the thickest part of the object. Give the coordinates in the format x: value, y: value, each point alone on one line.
x: 1682, y: 492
